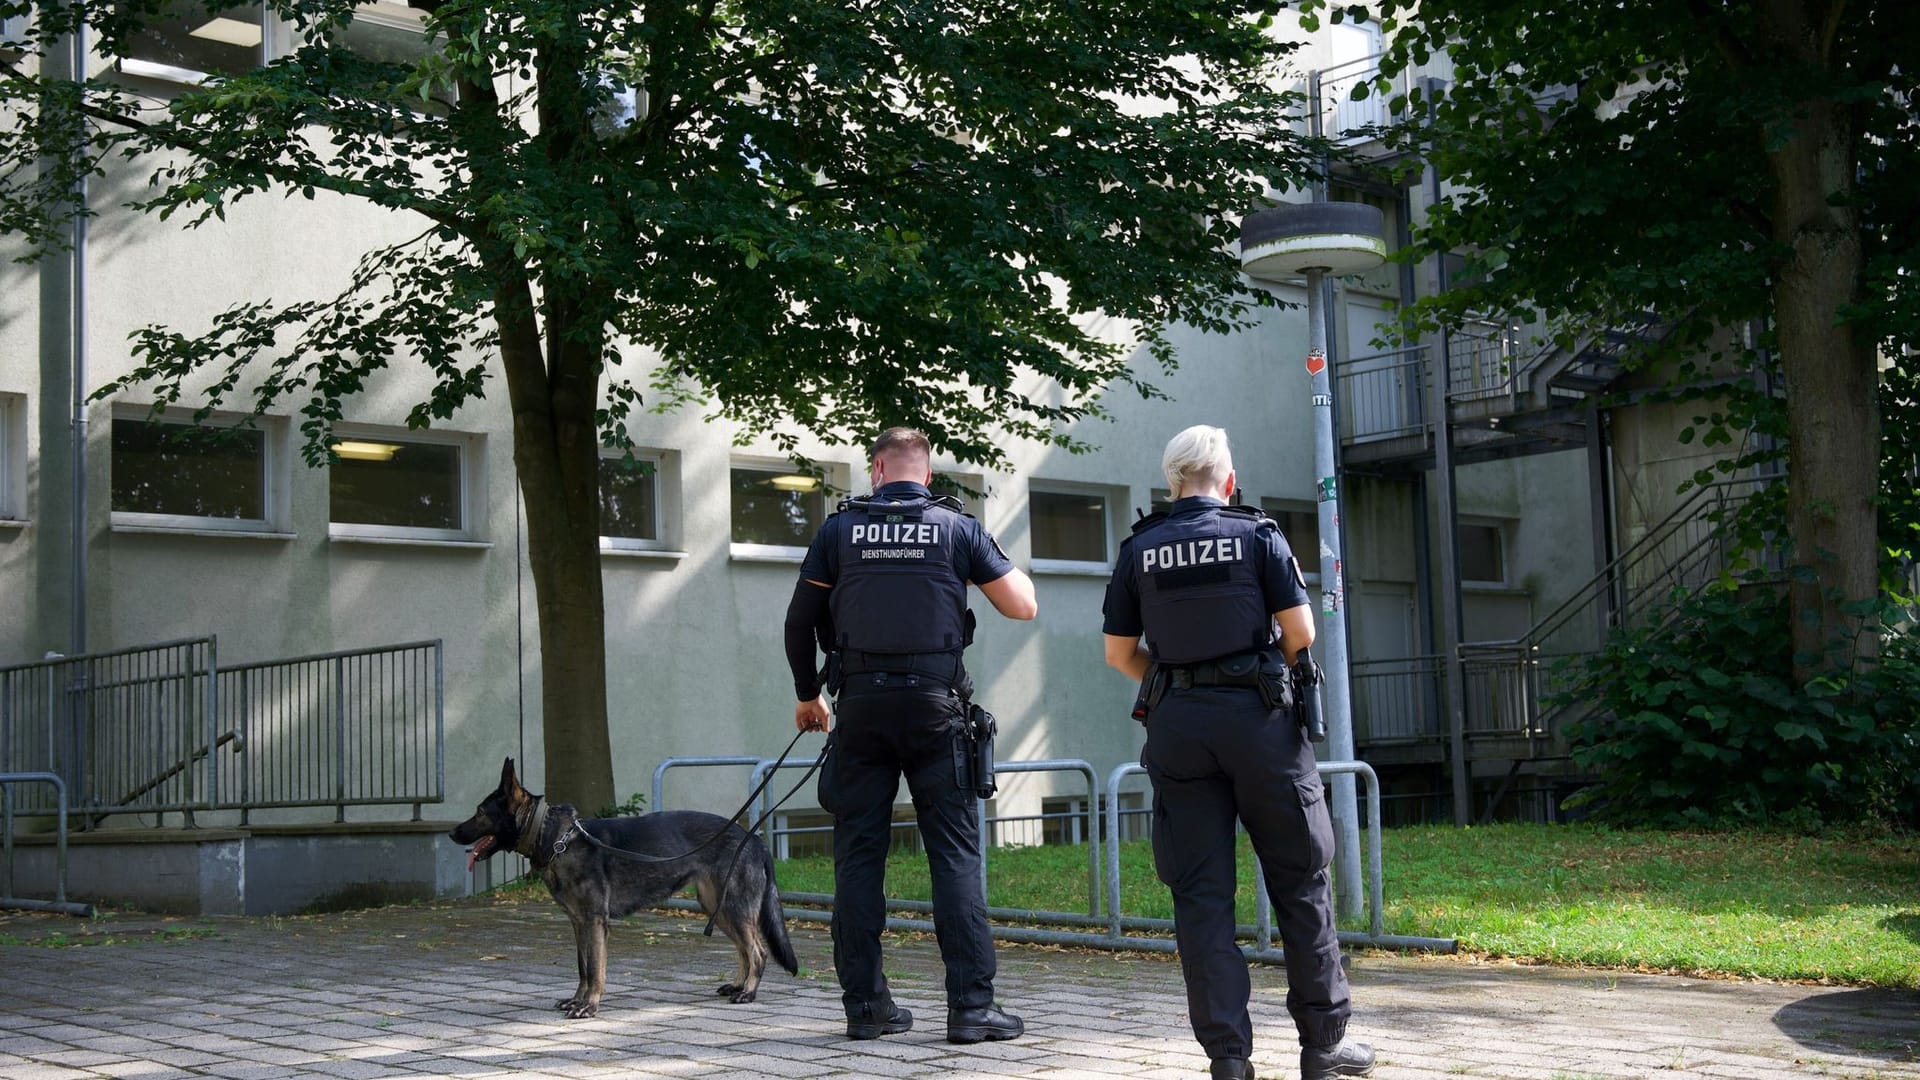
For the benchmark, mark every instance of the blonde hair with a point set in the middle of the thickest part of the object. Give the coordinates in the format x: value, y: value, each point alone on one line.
x: 1197, y: 457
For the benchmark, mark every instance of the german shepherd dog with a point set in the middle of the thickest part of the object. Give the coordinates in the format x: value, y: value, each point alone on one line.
x: 623, y: 864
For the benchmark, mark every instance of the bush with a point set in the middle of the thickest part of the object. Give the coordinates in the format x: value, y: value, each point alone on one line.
x: 1698, y: 722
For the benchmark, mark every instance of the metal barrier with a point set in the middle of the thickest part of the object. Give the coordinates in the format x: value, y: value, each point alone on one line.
x: 164, y: 728
x: 59, y: 903
x: 350, y: 728
x: 1117, y: 929
x: 128, y: 731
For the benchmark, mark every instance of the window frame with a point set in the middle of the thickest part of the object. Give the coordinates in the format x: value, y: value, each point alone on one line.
x: 1113, y: 498
x: 666, y: 506
x: 1501, y: 551
x: 13, y: 460
x: 472, y: 501
x: 781, y: 553
x: 274, y: 500
x: 273, y: 42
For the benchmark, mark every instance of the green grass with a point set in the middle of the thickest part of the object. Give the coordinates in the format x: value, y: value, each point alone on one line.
x: 1839, y: 910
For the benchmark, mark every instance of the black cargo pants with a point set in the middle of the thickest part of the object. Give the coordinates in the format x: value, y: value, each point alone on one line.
x: 888, y: 726
x: 1215, y: 754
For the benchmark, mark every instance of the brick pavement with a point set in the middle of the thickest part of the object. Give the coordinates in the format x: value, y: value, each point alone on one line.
x: 466, y: 989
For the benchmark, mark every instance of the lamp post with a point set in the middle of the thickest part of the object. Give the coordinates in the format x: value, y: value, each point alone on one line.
x: 1310, y: 241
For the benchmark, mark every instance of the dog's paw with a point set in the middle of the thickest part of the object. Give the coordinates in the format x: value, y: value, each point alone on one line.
x: 728, y: 989
x: 565, y: 1003
x: 742, y: 997
x: 580, y: 1010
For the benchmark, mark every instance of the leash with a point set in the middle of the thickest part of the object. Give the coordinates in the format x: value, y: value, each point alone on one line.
x: 726, y: 878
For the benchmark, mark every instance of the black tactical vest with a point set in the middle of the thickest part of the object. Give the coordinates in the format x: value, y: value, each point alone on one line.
x: 898, y: 590
x: 1200, y: 598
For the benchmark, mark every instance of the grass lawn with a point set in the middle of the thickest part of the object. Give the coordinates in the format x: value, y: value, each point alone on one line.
x: 1739, y: 904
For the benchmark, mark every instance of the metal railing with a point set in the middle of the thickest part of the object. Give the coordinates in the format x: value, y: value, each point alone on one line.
x: 129, y: 730
x: 1383, y: 395
x: 1103, y: 926
x: 163, y: 728
x: 59, y: 903
x: 356, y: 727
x: 1397, y: 700
x: 1346, y: 120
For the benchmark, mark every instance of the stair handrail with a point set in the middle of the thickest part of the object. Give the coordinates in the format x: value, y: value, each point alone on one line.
x: 1680, y: 515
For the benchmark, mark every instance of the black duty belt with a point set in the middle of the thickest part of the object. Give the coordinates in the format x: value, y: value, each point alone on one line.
x: 1241, y: 670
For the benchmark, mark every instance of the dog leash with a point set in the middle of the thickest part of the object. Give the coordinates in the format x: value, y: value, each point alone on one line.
x: 560, y: 845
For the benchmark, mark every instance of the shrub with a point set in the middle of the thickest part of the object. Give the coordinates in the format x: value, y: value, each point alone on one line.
x: 1698, y: 722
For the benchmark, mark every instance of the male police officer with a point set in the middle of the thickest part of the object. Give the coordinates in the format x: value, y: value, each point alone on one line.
x: 1205, y: 583
x: 885, y: 584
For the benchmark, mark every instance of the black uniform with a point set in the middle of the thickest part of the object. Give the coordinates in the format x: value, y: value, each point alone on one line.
x: 1201, y: 584
x: 899, y: 562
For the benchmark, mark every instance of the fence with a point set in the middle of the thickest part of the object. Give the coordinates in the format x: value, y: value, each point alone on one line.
x: 163, y: 728
x: 1103, y: 924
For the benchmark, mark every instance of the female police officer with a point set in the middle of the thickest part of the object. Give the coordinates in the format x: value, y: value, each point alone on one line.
x: 888, y: 576
x: 1205, y: 583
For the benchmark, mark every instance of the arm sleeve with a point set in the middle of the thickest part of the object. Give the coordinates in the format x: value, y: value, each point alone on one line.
x: 1280, y: 578
x: 807, y: 613
x: 985, y: 561
x: 1121, y: 610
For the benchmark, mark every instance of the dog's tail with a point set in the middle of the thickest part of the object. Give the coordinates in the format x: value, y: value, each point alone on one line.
x: 773, y: 922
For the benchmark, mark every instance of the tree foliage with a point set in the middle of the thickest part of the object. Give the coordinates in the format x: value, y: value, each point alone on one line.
x: 817, y: 218
x: 1739, y: 169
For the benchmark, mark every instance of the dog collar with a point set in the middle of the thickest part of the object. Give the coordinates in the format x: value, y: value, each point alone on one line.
x: 530, y: 839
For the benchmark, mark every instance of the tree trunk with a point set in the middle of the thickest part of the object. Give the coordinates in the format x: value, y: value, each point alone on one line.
x: 1833, y: 415
x: 556, y: 455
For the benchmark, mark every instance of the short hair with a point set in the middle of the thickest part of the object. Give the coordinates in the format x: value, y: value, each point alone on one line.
x: 1196, y: 457
x: 896, y: 440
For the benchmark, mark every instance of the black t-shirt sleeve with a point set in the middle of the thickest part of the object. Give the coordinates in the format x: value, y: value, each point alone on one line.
x: 819, y: 565
x: 1280, y: 580
x: 985, y: 562
x: 1122, y: 606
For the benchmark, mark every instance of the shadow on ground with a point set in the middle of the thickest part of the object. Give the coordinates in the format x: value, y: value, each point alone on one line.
x: 1882, y: 1024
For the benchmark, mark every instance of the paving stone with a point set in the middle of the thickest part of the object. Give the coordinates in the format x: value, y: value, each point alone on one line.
x: 466, y: 990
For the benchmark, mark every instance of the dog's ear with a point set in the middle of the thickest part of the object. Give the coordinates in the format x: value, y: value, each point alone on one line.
x: 507, y: 779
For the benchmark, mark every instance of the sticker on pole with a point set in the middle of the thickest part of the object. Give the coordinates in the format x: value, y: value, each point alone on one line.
x: 1316, y: 363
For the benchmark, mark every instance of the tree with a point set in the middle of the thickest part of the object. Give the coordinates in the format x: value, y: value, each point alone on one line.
x: 817, y: 217
x: 1724, y: 163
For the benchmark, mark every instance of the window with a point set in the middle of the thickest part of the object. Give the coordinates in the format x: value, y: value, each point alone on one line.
x: 776, y: 510
x: 413, y: 487
x: 1300, y: 524
x: 13, y: 457
x: 171, y: 473
x: 1064, y: 818
x: 184, y: 42
x: 1160, y: 499
x: 969, y: 488
x: 1483, y: 557
x: 1071, y: 529
x: 637, y: 500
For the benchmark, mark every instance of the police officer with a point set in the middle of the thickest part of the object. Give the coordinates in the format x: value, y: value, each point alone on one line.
x: 884, y: 586
x: 1205, y: 584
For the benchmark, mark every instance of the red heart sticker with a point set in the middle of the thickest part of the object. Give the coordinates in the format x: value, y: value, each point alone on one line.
x: 1316, y: 364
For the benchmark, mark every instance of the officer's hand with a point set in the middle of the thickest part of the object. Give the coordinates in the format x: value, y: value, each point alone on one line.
x: 812, y: 715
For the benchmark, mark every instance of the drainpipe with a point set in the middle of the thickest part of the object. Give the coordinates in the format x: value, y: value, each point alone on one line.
x: 77, y: 641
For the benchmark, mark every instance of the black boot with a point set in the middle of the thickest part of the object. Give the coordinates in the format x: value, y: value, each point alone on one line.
x: 870, y: 1025
x: 1231, y: 1069
x: 1344, y: 1058
x: 988, y: 1023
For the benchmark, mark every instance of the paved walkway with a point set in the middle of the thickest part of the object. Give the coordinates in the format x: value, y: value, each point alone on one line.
x: 466, y: 990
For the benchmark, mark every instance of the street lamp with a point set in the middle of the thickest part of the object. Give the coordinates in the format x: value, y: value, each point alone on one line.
x: 1310, y: 241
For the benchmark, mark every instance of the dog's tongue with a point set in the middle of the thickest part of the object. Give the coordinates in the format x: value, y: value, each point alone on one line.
x: 481, y: 849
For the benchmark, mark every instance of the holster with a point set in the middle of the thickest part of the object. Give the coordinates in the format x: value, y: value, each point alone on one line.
x: 1306, y: 677
x: 833, y: 674
x: 1276, y: 683
x: 980, y: 730
x: 1152, y: 689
